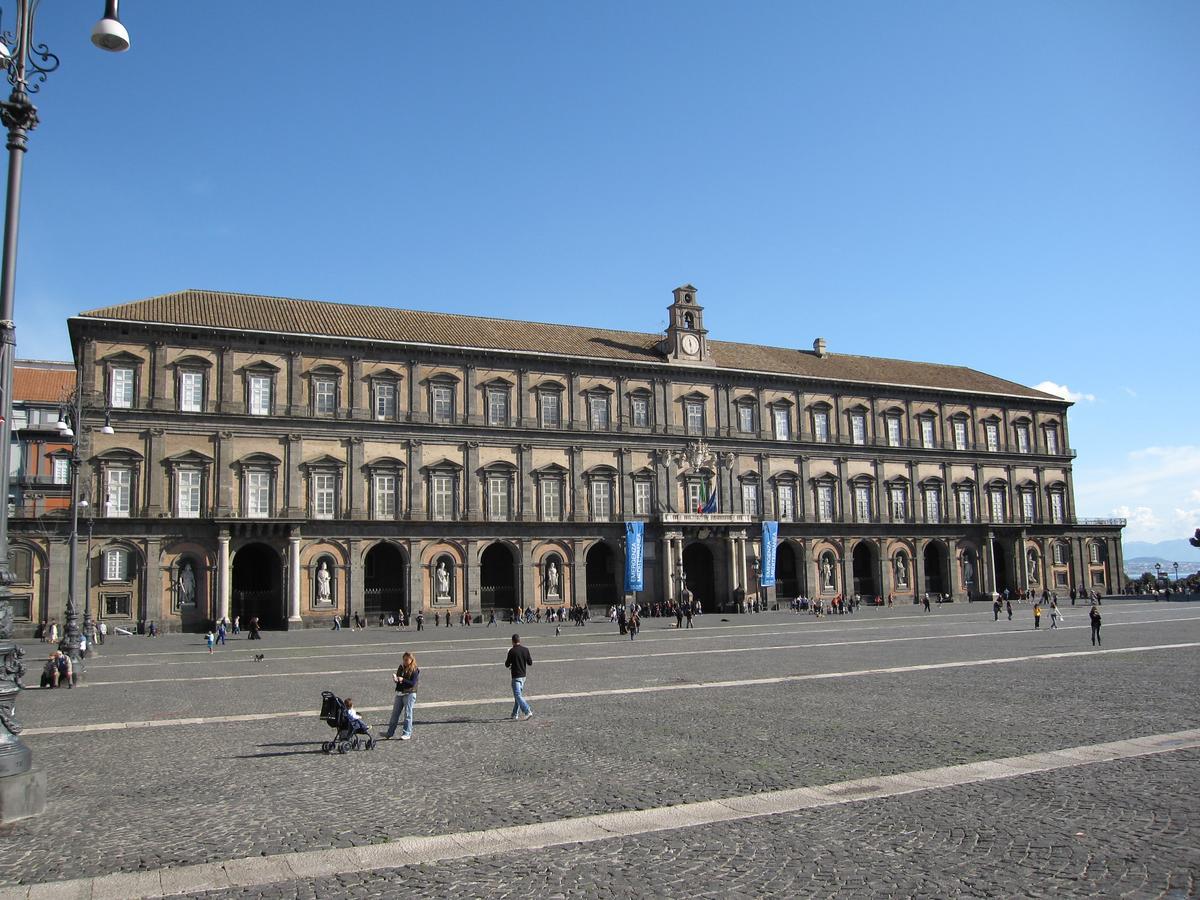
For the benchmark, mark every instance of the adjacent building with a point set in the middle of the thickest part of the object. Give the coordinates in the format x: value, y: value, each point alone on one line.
x: 296, y: 460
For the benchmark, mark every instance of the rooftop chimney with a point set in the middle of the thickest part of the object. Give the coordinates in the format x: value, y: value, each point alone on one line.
x: 819, y: 347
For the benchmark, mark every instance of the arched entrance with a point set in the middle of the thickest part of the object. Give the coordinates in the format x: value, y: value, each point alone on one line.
x: 497, y: 578
x: 970, y: 573
x: 999, y: 568
x: 865, y: 566
x: 384, y: 582
x: 257, y: 586
x: 601, y: 576
x: 787, y: 572
x: 935, y: 568
x: 698, y: 576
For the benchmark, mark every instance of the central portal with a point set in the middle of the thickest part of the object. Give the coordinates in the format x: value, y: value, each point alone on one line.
x: 257, y: 587
x: 384, y: 582
x: 497, y: 579
x: 698, y: 576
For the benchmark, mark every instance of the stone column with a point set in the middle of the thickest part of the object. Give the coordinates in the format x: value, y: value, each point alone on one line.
x: 735, y: 575
x: 845, y: 505
x: 295, y: 400
x: 471, y: 578
x: 576, y: 417
x: 416, y: 493
x: 224, y: 575
x: 470, y: 401
x: 356, y: 485
x: 527, y: 496
x: 414, y: 395
x: 294, y: 579
x: 155, y: 474
x: 158, y: 377
x: 882, y: 567
x: 294, y: 477
x: 471, y: 479
x: 918, y: 569
x: 355, y: 599
x: 228, y: 397
x: 1022, y: 561
x: 527, y: 584
x: 152, y: 590
x: 222, y: 474
x: 579, y: 510
x: 986, y: 576
x: 847, y: 570
x: 356, y: 406
x: 524, y: 419
x: 952, y: 568
x: 578, y: 575
x: 417, y: 598
x: 1116, y: 565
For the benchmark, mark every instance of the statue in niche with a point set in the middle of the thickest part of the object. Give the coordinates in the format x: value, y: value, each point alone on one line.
x: 552, y: 580
x: 443, y: 581
x: 185, y: 584
x: 827, y: 571
x: 1032, y: 566
x: 901, y: 570
x: 968, y: 569
x: 323, y: 583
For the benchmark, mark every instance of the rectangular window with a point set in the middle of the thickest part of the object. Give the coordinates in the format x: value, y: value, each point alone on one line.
x: 121, y: 388
x: 898, y: 497
x: 695, y: 496
x: 324, y: 488
x: 641, y: 498
x: 62, y: 470
x: 1028, y: 505
x: 1057, y: 508
x: 746, y: 418
x: 858, y: 428
x: 258, y: 495
x: 750, y: 499
x: 1022, y: 438
x: 497, y: 488
x: 441, y: 399
x: 694, y: 411
x: 640, y: 408
x: 933, y: 505
x: 783, y: 424
x: 821, y: 427
x: 862, y: 502
x: 119, y: 489
x: 996, y: 495
x: 497, y: 407
x: 384, y: 491
x: 260, y: 395
x: 598, y: 411
x: 601, y: 499
x: 1052, y: 440
x: 992, y: 433
x: 324, y: 396
x: 551, y: 499
x: 385, y: 401
x: 825, y: 502
x: 116, y: 565
x: 116, y: 606
x: 441, y: 487
x: 893, y: 431
x: 187, y: 500
x: 927, y: 437
x: 787, y: 502
x: 191, y: 391
x: 1060, y: 554
x: 550, y: 405
x: 960, y: 434
x: 966, y: 506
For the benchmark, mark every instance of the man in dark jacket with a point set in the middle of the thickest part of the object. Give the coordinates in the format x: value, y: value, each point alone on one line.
x: 518, y: 663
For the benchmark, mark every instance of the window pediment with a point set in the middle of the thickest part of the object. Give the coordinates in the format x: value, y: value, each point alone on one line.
x: 599, y: 390
x: 445, y: 464
x: 1021, y: 420
x: 965, y: 484
x: 189, y: 458
x: 122, y: 358
x: 385, y: 375
x: 119, y: 455
x: 857, y: 408
x: 550, y: 470
x: 549, y: 386
x: 862, y: 480
x: 498, y: 467
x: 323, y: 462
x: 643, y: 472
x: 259, y: 461
x: 498, y: 383
x: 441, y: 378
x: 384, y: 462
x: 695, y: 396
x: 260, y: 367
x: 931, y: 482
x: 894, y: 412
x: 745, y: 400
x: 781, y: 403
x: 997, y: 483
x: 638, y: 392
x: 600, y: 471
x: 324, y: 371
x: 820, y: 406
x: 993, y: 419
x: 785, y: 478
x: 191, y: 361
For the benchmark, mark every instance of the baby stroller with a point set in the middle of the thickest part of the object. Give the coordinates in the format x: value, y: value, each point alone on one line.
x: 350, y: 732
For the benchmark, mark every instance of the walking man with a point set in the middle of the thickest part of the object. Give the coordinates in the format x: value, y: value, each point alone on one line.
x: 1094, y: 616
x: 518, y: 663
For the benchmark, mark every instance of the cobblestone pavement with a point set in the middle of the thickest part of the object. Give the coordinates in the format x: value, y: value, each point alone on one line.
x: 137, y: 799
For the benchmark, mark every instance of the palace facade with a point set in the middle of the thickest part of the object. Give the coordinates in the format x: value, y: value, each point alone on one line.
x: 296, y: 460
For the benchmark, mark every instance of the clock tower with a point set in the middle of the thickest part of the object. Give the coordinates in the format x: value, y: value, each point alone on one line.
x: 687, y: 338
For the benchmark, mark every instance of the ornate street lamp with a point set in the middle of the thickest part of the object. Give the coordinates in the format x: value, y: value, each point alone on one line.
x: 26, y: 63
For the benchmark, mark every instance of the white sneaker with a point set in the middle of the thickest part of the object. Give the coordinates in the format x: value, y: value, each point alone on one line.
x: 406, y: 737
x: 513, y: 718
x: 528, y: 717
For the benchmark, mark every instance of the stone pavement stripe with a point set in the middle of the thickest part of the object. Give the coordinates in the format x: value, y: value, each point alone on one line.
x: 390, y: 648
x: 619, y: 656
x: 407, y: 851
x: 575, y: 695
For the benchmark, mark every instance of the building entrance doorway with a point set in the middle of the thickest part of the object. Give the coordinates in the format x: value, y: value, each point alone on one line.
x: 999, y: 568
x: 787, y: 572
x: 865, y: 566
x: 698, y: 576
x: 602, y: 577
x: 935, y: 568
x: 385, y: 579
x: 257, y: 587
x: 497, y: 579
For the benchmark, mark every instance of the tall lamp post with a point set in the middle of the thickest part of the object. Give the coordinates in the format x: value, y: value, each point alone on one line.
x: 26, y: 63
x: 1176, y: 565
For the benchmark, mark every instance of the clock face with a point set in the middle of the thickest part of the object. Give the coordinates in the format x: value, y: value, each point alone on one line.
x: 691, y: 343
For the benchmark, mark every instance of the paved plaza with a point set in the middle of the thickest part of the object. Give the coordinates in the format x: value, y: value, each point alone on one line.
x: 888, y: 753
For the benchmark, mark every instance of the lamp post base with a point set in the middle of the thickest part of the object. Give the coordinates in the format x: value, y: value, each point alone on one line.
x: 22, y: 796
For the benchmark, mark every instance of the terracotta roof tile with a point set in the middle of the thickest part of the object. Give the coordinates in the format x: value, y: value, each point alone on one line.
x: 41, y: 384
x: 251, y: 312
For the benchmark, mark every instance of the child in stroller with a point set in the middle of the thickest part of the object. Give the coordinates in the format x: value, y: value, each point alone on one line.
x: 351, y: 729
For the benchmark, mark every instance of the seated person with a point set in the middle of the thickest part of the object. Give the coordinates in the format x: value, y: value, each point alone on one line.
x: 357, y: 725
x: 50, y: 671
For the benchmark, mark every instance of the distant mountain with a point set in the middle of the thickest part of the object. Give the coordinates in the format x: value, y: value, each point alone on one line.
x: 1177, y: 551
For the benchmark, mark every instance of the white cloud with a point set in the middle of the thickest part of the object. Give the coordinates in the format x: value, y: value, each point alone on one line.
x: 1061, y: 390
x: 1140, y: 517
x: 1130, y: 391
x: 1157, y: 490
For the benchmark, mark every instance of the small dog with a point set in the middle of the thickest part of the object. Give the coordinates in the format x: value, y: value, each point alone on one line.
x: 259, y: 657
x: 557, y: 631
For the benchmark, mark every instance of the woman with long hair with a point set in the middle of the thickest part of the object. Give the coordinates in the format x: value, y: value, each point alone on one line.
x: 406, y: 678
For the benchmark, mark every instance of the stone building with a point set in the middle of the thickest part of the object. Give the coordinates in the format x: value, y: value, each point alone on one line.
x: 296, y: 460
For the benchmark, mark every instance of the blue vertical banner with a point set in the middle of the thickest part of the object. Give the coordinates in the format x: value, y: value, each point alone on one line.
x: 770, y: 537
x: 634, y: 532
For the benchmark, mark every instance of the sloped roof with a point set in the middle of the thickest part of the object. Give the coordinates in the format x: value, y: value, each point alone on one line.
x: 33, y: 383
x: 281, y: 315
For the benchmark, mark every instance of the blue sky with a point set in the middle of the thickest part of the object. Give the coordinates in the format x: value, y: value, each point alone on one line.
x: 1011, y: 186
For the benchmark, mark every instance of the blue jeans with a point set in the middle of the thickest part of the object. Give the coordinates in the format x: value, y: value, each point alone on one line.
x: 403, y: 703
x: 519, y: 702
